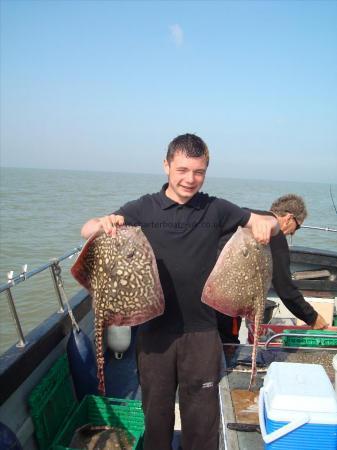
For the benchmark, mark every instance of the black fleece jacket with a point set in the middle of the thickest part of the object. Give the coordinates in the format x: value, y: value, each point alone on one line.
x: 283, y: 284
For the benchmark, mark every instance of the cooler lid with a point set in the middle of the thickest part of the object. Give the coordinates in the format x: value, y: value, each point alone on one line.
x: 299, y: 387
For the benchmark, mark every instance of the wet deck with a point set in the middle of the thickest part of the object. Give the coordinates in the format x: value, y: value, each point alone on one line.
x: 233, y: 386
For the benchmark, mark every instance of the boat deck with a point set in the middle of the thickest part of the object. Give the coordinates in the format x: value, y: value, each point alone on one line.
x: 238, y: 405
x: 231, y: 439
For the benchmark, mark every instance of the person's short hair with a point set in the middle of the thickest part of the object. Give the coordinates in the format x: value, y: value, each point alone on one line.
x: 189, y: 144
x: 290, y: 203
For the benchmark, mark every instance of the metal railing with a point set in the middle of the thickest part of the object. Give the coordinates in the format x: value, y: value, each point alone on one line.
x: 55, y: 271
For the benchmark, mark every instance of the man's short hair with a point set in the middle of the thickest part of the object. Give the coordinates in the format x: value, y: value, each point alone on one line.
x: 189, y: 144
x: 290, y: 203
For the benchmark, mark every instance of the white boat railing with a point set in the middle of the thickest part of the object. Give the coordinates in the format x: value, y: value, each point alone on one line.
x: 55, y: 271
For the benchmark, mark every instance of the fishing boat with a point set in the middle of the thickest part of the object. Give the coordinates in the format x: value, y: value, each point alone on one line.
x: 25, y: 364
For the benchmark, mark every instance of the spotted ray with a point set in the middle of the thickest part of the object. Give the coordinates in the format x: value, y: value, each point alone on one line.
x: 239, y: 282
x: 122, y: 276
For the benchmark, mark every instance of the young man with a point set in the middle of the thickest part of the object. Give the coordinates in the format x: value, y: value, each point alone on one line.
x: 182, y: 347
x: 290, y: 212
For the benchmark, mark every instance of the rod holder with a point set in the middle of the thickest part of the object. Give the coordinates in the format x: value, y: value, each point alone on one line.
x: 22, y: 342
x: 23, y: 274
x: 55, y: 271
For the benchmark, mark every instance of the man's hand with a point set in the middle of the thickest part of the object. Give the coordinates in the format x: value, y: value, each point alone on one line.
x: 320, y: 323
x: 263, y: 227
x: 110, y: 223
x: 106, y: 223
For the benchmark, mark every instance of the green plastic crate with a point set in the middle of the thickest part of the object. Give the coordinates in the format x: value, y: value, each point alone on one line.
x: 328, y: 339
x: 121, y: 413
x: 51, y: 403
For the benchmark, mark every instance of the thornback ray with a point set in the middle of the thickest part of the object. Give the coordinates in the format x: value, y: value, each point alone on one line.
x: 239, y: 282
x: 121, y: 274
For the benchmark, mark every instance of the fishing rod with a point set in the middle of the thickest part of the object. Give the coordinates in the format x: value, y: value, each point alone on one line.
x: 333, y: 200
x: 319, y: 228
x: 323, y: 228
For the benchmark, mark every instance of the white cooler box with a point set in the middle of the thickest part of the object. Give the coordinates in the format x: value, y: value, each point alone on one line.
x: 298, y: 408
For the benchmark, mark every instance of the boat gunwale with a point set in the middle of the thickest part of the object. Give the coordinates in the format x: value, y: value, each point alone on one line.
x: 313, y: 256
x: 16, y: 364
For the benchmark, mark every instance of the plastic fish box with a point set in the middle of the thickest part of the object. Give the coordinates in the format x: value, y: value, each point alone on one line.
x: 298, y: 408
x: 310, y: 338
x: 56, y: 414
x: 121, y: 413
x: 268, y: 330
x: 52, y: 402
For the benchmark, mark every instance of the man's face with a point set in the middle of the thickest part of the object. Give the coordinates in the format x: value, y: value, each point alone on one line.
x: 289, y: 224
x: 185, y: 176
